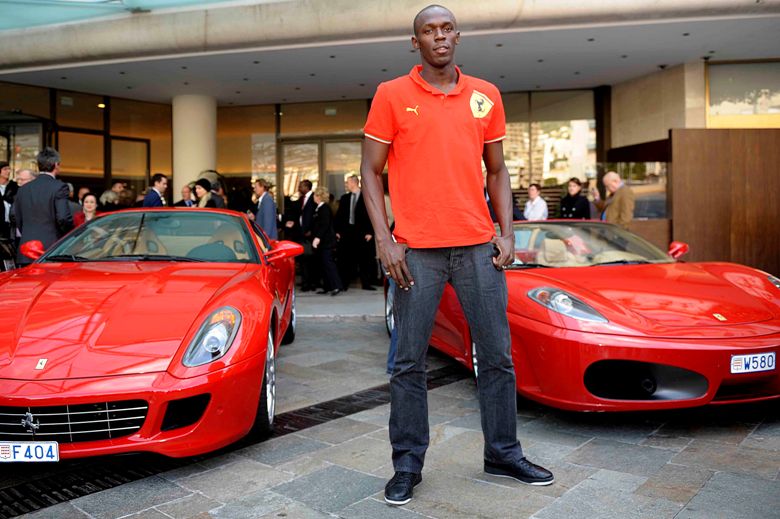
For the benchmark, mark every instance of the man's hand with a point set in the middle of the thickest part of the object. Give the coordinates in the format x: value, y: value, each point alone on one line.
x: 393, y: 258
x: 289, y: 224
x: 368, y: 237
x: 338, y: 236
x: 506, y: 250
x: 315, y: 242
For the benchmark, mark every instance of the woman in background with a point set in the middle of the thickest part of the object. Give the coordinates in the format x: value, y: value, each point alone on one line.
x: 88, y: 212
x: 203, y: 193
x: 324, y: 241
x: 574, y: 205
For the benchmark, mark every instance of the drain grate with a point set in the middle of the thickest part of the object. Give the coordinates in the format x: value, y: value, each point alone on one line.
x: 24, y: 489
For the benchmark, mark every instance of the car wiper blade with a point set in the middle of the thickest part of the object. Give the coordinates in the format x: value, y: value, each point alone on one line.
x: 527, y: 266
x: 66, y: 257
x: 148, y: 257
x: 622, y: 262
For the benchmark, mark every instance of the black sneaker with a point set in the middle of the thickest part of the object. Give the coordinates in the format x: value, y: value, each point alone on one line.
x: 399, y: 490
x: 522, y: 470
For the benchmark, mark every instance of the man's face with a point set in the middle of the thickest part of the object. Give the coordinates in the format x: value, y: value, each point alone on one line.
x: 259, y: 189
x: 118, y: 187
x: 303, y: 188
x: 436, y: 37
x: 161, y: 185
x: 83, y: 191
x: 186, y: 193
x: 533, y: 193
x: 611, y: 182
x: 352, y: 185
x: 5, y: 174
x: 23, y: 177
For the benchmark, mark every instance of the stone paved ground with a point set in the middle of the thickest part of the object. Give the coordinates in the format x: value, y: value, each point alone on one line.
x: 719, y: 462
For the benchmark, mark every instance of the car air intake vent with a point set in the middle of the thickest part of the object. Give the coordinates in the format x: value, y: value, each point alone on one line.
x: 72, y: 423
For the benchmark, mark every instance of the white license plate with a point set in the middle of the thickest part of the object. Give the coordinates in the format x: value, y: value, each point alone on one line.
x: 753, y: 363
x: 29, y: 451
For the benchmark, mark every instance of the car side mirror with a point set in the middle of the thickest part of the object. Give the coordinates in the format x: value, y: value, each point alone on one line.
x: 678, y: 249
x: 32, y: 249
x: 284, y: 249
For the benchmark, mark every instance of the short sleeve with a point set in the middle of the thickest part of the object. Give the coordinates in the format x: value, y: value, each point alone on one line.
x: 496, y: 129
x: 380, y: 125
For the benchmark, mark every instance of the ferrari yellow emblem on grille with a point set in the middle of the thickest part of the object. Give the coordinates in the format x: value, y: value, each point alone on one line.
x: 480, y: 104
x: 719, y: 317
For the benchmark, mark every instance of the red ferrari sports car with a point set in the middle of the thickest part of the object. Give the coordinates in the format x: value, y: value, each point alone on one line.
x: 144, y: 330
x: 602, y: 320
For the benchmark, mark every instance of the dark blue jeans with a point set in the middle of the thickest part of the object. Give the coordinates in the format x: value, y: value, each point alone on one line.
x: 482, y: 293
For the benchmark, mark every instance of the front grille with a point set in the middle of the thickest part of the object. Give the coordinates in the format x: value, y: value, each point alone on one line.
x: 73, y: 423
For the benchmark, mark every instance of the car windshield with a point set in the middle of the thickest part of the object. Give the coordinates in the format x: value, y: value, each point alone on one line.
x: 158, y: 236
x: 580, y: 244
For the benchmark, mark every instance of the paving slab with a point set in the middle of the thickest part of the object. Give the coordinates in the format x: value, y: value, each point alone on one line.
x: 372, y: 508
x: 189, y: 506
x: 60, y: 511
x: 234, y: 481
x: 345, y: 429
x: 621, y: 457
x: 283, y: 449
x: 130, y: 498
x: 251, y: 506
x: 727, y: 495
x: 719, y: 456
x: 331, y: 489
x: 676, y: 483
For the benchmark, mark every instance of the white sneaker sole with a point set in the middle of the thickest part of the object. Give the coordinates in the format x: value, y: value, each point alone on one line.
x: 397, y: 503
x: 534, y: 483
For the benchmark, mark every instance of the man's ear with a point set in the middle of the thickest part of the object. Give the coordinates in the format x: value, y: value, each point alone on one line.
x: 457, y: 37
x: 415, y: 43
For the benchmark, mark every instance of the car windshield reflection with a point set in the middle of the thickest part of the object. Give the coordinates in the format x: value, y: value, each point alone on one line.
x: 191, y: 236
x: 580, y: 244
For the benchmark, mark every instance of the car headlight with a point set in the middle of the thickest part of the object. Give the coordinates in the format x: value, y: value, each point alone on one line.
x: 775, y: 281
x: 214, y: 337
x: 559, y: 301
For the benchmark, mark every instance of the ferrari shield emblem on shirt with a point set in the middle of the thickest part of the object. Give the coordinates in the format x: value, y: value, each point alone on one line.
x: 480, y: 104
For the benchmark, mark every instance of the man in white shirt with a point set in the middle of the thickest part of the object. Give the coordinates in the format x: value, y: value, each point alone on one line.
x: 535, y: 207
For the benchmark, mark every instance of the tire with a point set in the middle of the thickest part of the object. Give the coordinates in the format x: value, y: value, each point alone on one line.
x: 289, y: 334
x: 474, y: 364
x: 266, y: 405
x: 389, y: 318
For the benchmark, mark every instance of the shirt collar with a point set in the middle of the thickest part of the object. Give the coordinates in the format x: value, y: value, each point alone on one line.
x: 416, y: 75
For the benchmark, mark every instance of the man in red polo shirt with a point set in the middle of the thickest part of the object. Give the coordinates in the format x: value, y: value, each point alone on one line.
x: 435, y: 126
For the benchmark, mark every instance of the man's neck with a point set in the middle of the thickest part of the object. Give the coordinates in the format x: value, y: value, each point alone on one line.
x: 444, y: 78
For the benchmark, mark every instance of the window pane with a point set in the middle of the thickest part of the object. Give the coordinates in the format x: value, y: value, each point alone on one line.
x: 744, y: 95
x: 342, y: 159
x: 146, y: 121
x: 345, y: 117
x: 648, y: 182
x: 28, y: 100
x: 563, y: 137
x: 24, y: 141
x: 128, y: 164
x: 82, y: 160
x: 301, y: 161
x: 516, y: 144
x: 79, y: 110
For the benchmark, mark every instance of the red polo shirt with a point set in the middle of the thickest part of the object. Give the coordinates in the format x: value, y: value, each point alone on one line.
x: 435, y: 157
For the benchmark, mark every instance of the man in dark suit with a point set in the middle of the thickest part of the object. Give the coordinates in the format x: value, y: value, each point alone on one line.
x: 8, y: 190
x: 356, y: 238
x: 156, y: 196
x: 298, y: 228
x: 186, y: 197
x: 264, y: 213
x: 41, y: 207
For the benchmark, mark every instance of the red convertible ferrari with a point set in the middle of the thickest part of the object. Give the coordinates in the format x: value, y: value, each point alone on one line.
x: 144, y: 330
x: 601, y: 320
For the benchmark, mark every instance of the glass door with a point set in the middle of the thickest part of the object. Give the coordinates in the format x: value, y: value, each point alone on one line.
x: 342, y: 160
x: 300, y: 161
x: 130, y: 163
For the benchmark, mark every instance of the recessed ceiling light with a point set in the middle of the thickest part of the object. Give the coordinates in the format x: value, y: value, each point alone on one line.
x: 238, y: 91
x: 502, y: 77
x: 384, y: 70
x: 246, y: 79
x: 186, y: 82
x: 312, y: 74
x: 577, y: 73
x: 538, y: 86
x: 686, y: 34
x: 121, y: 73
x: 101, y: 105
x: 362, y: 84
x: 540, y: 61
x: 624, y: 56
x: 184, y: 68
x: 129, y: 88
x: 343, y: 97
x: 63, y: 77
x: 283, y: 99
x: 412, y: 50
x: 499, y: 44
x: 460, y: 65
x: 297, y: 88
x: 711, y: 52
x: 332, y: 56
x: 256, y: 62
x: 591, y: 39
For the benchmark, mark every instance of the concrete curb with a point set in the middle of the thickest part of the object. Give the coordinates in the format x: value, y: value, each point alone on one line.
x: 342, y: 318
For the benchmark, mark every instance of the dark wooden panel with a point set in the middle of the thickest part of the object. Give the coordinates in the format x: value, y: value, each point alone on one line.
x: 724, y: 193
x: 653, y: 151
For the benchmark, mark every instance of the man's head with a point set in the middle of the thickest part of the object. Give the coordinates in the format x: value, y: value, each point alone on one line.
x: 304, y: 186
x: 83, y: 191
x: 435, y: 35
x: 48, y: 161
x: 5, y: 173
x: 261, y: 186
x: 612, y: 181
x: 160, y: 182
x: 186, y: 192
x: 71, y: 190
x: 353, y: 184
x: 533, y: 191
x: 25, y: 176
x: 118, y: 187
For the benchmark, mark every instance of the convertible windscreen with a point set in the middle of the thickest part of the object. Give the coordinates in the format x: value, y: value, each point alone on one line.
x: 158, y: 236
x: 580, y: 244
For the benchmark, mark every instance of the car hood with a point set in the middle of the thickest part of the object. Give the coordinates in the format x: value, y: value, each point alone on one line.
x: 673, y: 299
x: 100, y: 319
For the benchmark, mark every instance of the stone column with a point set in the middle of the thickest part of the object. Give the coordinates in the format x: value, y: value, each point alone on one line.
x: 194, y: 138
